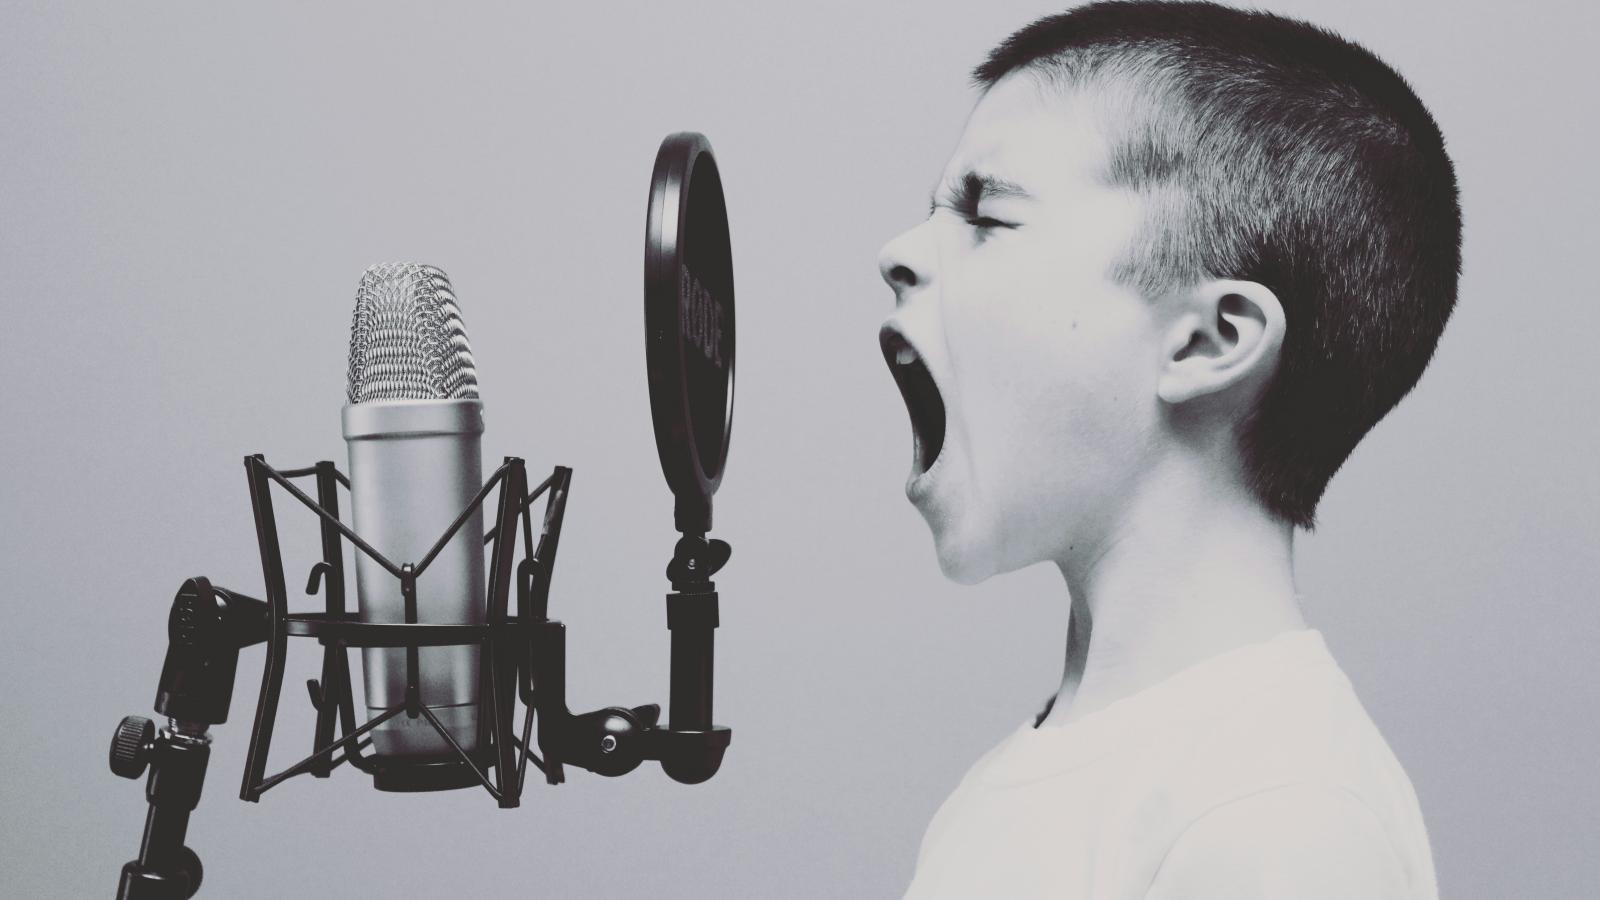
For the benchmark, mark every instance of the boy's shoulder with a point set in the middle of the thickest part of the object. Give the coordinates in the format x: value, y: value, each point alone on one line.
x: 1294, y: 763
x: 1304, y: 724
x: 1317, y: 730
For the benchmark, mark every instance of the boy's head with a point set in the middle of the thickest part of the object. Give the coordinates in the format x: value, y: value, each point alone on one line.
x: 1176, y: 240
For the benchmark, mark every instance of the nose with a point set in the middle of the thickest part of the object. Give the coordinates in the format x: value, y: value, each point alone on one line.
x: 904, y: 262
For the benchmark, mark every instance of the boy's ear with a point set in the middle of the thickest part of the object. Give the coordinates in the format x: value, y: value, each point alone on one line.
x: 1224, y: 333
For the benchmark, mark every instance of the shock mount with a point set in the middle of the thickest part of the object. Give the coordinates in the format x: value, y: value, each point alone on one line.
x: 523, y: 657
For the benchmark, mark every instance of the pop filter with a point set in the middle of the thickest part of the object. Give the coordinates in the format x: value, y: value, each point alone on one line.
x: 689, y: 325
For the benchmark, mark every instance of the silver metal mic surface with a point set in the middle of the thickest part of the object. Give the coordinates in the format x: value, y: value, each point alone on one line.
x: 414, y: 427
x: 406, y: 340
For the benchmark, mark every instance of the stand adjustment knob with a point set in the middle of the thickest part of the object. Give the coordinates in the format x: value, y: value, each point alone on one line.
x: 130, y: 746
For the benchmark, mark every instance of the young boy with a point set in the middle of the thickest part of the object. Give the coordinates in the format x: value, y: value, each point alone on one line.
x: 1183, y: 258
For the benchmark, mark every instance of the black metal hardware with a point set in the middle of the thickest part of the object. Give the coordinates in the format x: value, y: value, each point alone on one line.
x: 523, y: 658
x: 132, y: 745
x: 206, y: 628
x: 165, y: 867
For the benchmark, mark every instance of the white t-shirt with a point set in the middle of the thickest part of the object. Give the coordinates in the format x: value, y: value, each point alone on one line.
x: 1255, y: 774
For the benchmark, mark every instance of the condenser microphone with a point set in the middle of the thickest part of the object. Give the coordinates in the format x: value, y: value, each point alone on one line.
x: 414, y: 426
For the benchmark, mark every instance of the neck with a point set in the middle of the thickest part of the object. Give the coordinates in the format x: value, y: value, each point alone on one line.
x: 1194, y: 569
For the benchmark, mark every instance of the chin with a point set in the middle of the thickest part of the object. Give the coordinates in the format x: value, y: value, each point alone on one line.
x: 974, y: 548
x: 966, y: 558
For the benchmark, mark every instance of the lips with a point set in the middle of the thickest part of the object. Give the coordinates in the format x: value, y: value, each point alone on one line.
x: 920, y: 393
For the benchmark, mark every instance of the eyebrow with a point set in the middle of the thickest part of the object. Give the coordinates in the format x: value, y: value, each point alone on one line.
x: 972, y: 187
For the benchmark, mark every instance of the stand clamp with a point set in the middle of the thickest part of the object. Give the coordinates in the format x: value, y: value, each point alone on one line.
x: 205, y: 631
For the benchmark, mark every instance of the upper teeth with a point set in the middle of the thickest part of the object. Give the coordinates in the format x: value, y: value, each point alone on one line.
x: 905, y: 357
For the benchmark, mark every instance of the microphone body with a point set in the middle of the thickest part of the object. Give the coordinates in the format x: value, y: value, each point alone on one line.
x: 414, y: 466
x: 414, y: 426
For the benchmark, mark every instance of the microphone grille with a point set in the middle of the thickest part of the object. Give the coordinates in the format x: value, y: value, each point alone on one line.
x: 407, y: 341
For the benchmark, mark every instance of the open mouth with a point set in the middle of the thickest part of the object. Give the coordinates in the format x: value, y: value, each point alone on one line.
x: 920, y: 393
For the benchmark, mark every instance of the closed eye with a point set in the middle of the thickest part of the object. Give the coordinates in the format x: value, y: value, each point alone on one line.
x: 971, y: 217
x: 985, y: 222
x: 964, y: 195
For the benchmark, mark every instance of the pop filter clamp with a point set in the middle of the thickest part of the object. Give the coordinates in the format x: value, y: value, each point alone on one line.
x: 689, y: 324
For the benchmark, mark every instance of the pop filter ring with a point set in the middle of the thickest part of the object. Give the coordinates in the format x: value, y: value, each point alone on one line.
x: 689, y: 324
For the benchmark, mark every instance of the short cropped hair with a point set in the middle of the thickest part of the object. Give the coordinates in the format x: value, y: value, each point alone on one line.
x: 1270, y: 150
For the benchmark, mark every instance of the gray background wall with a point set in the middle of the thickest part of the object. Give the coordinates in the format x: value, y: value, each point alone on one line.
x: 188, y: 196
